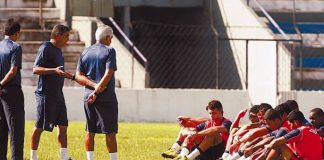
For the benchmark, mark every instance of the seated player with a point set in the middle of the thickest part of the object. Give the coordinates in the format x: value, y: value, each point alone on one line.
x: 217, y: 125
x: 303, y: 141
x: 316, y: 117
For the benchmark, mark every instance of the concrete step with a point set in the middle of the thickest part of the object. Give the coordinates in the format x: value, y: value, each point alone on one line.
x: 41, y: 35
x: 29, y: 13
x: 68, y: 57
x: 33, y: 23
x: 25, y: 4
x: 32, y: 46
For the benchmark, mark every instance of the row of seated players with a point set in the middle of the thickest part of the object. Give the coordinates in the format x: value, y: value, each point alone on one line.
x: 279, y: 133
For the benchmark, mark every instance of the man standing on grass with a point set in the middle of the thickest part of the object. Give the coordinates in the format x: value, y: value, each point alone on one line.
x: 51, y: 109
x: 95, y: 71
x: 12, y: 113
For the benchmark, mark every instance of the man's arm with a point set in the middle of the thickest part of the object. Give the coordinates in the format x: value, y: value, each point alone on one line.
x: 101, y: 86
x: 246, y: 128
x: 12, y: 72
x: 58, y: 70
x: 275, y: 143
x: 238, y: 118
x: 84, y: 80
x: 212, y: 131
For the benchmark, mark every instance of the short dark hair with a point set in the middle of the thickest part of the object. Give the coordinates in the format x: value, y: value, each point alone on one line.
x: 271, y: 114
x: 11, y: 27
x: 296, y: 115
x: 214, y: 104
x: 283, y: 108
x: 254, y: 109
x: 292, y: 104
x: 264, y: 107
x: 318, y: 112
x: 59, y: 29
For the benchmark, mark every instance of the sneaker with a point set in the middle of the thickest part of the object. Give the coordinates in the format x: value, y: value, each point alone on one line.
x: 183, y: 158
x: 177, y: 158
x: 170, y: 153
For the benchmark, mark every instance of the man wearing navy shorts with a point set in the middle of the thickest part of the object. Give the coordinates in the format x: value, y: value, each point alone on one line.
x: 12, y: 113
x: 51, y: 109
x: 95, y: 71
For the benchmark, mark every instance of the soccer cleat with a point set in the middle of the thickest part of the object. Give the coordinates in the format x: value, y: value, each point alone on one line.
x: 178, y: 157
x: 184, y: 158
x: 170, y: 153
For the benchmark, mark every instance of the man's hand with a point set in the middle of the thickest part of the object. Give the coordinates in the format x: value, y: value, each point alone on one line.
x: 91, y: 98
x: 242, y: 113
x: 59, y: 71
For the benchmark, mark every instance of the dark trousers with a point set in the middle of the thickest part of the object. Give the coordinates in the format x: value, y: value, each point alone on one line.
x: 12, y: 121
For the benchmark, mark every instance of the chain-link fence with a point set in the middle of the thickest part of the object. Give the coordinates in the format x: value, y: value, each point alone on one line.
x: 182, y: 56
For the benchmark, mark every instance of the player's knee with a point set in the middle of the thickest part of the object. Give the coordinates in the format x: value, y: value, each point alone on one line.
x: 38, y: 131
x: 111, y: 136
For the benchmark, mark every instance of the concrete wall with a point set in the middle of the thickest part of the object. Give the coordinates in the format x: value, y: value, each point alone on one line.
x: 93, y: 8
x: 150, y: 105
x: 251, y: 27
x: 164, y: 105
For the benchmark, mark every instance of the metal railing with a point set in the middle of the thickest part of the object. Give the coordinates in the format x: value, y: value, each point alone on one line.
x: 136, y: 53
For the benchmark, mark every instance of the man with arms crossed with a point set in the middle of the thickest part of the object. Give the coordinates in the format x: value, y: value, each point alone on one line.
x: 51, y: 109
x: 12, y: 113
x: 95, y: 71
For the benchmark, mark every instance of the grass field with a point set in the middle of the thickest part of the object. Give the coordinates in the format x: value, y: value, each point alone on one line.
x: 136, y: 141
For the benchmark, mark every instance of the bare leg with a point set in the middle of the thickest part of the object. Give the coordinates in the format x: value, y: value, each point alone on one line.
x: 62, y: 136
x: 36, y: 138
x: 111, y: 142
x: 89, y: 141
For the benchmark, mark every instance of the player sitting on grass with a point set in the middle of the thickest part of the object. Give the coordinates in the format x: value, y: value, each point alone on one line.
x: 303, y: 141
x: 217, y: 125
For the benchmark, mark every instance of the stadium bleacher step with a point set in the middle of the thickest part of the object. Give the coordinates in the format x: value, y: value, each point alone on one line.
x: 32, y: 46
x: 33, y: 13
x: 26, y: 4
x: 42, y: 35
x: 33, y: 34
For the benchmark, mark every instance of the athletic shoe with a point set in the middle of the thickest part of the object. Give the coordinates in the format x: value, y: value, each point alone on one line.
x: 177, y: 158
x: 184, y: 158
x: 170, y: 153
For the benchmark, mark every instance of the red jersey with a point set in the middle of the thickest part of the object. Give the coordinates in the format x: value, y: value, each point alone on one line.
x: 211, y: 123
x: 305, y: 142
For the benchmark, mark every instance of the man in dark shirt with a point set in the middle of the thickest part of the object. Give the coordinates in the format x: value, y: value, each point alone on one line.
x: 12, y: 113
x: 95, y: 71
x: 51, y: 109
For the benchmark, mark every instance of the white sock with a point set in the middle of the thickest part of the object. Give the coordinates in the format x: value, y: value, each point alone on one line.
x: 184, y: 152
x: 194, y: 154
x: 64, y: 154
x: 225, y: 155
x: 176, y: 146
x: 113, y: 156
x: 33, y: 155
x: 235, y: 156
x: 90, y: 155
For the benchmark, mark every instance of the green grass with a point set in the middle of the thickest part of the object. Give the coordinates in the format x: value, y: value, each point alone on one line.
x: 136, y: 141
